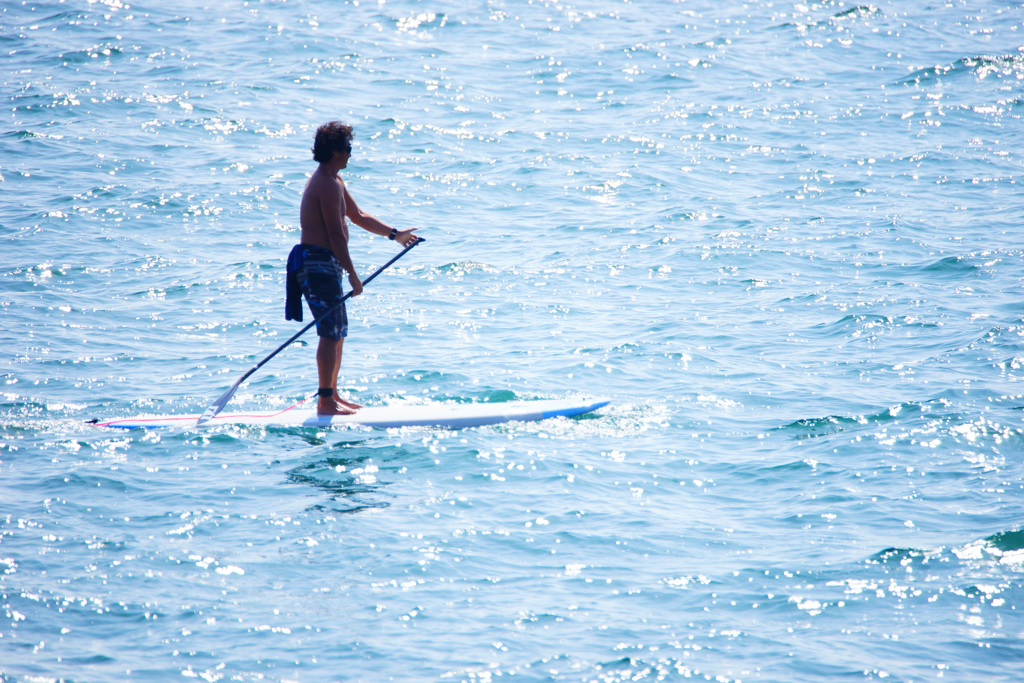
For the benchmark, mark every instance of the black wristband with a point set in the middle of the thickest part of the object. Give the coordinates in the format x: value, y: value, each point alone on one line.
x: 394, y: 232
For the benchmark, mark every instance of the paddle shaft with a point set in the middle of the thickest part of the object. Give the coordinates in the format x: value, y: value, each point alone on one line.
x: 219, y: 404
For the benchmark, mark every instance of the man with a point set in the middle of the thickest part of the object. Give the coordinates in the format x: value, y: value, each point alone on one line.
x: 318, y: 262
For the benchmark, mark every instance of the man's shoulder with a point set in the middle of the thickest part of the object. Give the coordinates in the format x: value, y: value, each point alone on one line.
x: 321, y: 183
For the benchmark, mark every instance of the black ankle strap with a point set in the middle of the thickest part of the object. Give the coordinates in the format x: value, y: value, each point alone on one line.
x: 324, y: 392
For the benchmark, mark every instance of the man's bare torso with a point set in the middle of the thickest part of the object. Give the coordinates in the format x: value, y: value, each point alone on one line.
x: 315, y: 231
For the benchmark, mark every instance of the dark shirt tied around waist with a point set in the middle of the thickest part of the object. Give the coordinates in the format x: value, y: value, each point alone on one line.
x: 293, y: 293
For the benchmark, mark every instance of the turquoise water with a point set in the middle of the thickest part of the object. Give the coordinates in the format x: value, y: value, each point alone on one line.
x: 783, y: 238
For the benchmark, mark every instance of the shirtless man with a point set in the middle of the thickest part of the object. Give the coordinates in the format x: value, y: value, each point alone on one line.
x: 326, y: 203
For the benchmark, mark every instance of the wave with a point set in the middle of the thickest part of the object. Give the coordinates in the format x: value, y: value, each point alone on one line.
x: 870, y: 328
x: 1002, y: 547
x: 815, y: 427
x: 89, y: 54
x: 459, y: 268
x: 951, y: 265
x: 810, y: 428
x: 857, y: 12
x: 896, y: 555
x: 1007, y: 541
x: 980, y: 66
x: 856, y: 320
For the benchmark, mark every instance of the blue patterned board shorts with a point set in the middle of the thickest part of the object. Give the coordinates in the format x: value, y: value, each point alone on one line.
x: 320, y: 279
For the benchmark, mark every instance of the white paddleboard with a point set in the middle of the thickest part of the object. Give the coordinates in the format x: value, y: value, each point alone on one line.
x: 453, y: 415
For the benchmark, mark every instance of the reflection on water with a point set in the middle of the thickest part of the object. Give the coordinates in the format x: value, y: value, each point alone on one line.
x: 351, y: 480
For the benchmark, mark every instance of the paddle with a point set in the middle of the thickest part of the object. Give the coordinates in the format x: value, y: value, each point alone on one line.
x: 219, y: 404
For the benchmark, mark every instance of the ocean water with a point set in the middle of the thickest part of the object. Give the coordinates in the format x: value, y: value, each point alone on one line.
x: 784, y: 238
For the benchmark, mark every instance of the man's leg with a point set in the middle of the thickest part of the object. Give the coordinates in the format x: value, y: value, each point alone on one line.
x: 337, y: 370
x: 328, y: 364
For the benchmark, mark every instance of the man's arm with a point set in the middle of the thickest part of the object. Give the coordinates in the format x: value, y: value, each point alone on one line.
x: 330, y: 209
x: 371, y: 224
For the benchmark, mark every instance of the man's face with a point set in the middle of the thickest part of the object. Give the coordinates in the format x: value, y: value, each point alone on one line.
x: 343, y: 154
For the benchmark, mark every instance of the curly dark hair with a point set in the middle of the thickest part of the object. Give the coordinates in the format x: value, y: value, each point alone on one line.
x: 331, y: 137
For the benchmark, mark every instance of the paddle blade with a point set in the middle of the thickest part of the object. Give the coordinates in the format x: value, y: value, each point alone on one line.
x: 219, y: 404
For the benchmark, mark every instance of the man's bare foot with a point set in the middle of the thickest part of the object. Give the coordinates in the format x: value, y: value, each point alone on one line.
x: 328, y: 406
x: 348, y: 404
